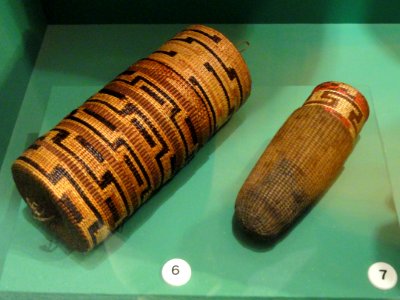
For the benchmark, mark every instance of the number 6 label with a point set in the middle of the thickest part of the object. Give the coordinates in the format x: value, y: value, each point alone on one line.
x: 176, y: 272
x: 382, y: 276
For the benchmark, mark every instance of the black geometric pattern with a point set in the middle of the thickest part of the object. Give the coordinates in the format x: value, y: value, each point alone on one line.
x: 108, y: 156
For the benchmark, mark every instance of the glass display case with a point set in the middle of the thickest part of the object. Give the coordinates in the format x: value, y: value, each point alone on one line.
x: 50, y: 67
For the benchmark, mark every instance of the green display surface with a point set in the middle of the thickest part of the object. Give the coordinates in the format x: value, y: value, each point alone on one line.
x: 22, y: 28
x: 327, y: 254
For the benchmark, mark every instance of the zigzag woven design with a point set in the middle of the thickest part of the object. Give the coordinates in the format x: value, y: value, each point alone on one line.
x: 302, y: 160
x: 93, y: 170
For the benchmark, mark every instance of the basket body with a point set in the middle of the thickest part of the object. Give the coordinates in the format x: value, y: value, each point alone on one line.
x: 302, y: 160
x: 92, y: 171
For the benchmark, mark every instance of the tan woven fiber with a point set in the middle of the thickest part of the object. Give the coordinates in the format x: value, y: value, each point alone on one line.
x: 87, y: 175
x: 302, y: 160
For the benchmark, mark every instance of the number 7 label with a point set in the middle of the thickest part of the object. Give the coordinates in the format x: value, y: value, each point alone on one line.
x: 382, y: 275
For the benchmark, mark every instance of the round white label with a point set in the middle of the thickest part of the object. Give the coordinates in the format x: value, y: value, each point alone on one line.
x: 176, y: 272
x: 382, y: 276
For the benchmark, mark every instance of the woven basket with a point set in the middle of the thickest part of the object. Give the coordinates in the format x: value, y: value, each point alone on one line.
x: 87, y: 175
x: 302, y: 160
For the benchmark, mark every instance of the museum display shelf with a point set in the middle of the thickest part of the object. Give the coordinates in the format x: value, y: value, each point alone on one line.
x: 325, y: 255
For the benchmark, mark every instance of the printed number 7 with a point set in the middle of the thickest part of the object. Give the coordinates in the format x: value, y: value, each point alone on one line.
x: 383, y: 273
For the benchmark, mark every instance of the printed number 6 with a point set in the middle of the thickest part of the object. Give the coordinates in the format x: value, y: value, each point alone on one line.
x: 175, y: 270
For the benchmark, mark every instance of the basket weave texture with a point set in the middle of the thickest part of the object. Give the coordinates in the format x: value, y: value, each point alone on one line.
x: 302, y: 160
x: 87, y: 175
